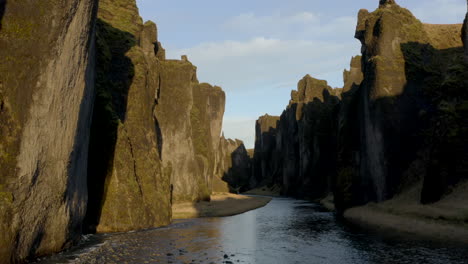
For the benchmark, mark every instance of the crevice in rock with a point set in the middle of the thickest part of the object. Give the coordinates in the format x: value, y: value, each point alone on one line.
x: 135, y: 175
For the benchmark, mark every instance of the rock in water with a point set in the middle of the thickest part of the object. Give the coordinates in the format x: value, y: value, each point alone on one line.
x: 46, y: 100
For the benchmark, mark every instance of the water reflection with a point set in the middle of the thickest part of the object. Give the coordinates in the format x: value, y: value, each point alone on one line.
x: 285, y: 231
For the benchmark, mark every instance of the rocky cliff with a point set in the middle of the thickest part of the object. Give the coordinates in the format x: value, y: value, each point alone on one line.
x: 155, y: 131
x: 413, y: 74
x: 399, y: 124
x: 297, y: 149
x: 190, y: 116
x: 264, y: 165
x: 153, y: 137
x: 233, y: 167
x: 126, y: 139
x: 46, y: 98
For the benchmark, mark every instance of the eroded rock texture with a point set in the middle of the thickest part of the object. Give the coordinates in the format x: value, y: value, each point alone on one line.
x: 46, y: 98
x: 265, y: 161
x: 233, y: 167
x: 297, y: 150
x: 413, y: 74
x: 401, y: 122
x: 129, y: 187
x: 156, y: 129
x: 190, y: 116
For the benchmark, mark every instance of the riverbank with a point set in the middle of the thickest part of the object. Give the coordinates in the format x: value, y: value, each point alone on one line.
x: 446, y: 220
x: 273, y: 191
x: 221, y: 204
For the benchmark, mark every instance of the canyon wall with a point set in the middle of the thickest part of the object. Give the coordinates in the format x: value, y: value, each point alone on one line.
x: 233, y: 167
x: 46, y: 98
x: 99, y: 132
x: 296, y: 150
x: 399, y: 122
x: 129, y: 186
x: 156, y: 129
x: 410, y: 110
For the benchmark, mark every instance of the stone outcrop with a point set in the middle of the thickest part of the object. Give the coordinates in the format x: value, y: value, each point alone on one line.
x: 206, y: 119
x: 265, y: 164
x: 156, y: 129
x: 400, y: 120
x: 233, y: 167
x: 190, y: 116
x: 46, y: 99
x: 124, y: 158
x: 405, y: 64
x: 297, y: 149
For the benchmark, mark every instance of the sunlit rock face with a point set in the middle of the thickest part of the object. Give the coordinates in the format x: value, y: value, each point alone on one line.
x: 190, y: 116
x: 46, y: 101
x: 156, y: 129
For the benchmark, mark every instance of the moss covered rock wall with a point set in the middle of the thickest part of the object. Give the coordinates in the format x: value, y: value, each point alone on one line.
x: 46, y: 99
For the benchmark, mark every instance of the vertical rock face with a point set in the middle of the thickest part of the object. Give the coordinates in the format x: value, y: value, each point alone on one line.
x: 297, y: 149
x: 265, y: 169
x: 401, y: 121
x: 129, y: 188
x: 234, y: 169
x: 206, y: 118
x: 404, y: 64
x: 190, y: 116
x: 464, y: 35
x: 46, y: 99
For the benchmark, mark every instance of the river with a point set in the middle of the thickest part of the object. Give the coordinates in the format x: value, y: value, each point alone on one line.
x: 285, y: 231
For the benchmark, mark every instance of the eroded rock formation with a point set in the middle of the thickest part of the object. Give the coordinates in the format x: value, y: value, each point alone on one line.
x: 153, y: 125
x: 46, y: 97
x: 233, y: 167
x: 126, y: 138
x: 265, y: 164
x: 297, y: 149
x: 399, y: 122
x: 409, y: 79
x: 156, y: 129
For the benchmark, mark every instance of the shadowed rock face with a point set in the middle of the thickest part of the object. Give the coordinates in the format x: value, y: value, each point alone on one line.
x: 401, y: 121
x: 296, y: 150
x: 265, y: 169
x: 393, y: 105
x: 46, y: 99
x: 310, y: 152
x: 234, y: 169
x: 464, y: 35
x: 126, y: 139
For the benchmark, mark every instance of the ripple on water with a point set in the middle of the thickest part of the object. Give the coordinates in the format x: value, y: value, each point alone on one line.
x: 285, y: 231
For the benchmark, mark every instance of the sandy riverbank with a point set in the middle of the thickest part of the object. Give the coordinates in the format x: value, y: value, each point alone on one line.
x: 446, y: 220
x: 221, y: 204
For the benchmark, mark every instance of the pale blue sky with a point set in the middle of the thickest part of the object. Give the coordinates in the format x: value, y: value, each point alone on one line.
x: 257, y: 50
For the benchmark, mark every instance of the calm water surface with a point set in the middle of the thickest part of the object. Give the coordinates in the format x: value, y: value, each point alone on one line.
x: 285, y: 231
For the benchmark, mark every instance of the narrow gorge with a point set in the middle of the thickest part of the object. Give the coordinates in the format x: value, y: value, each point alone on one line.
x: 101, y: 133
